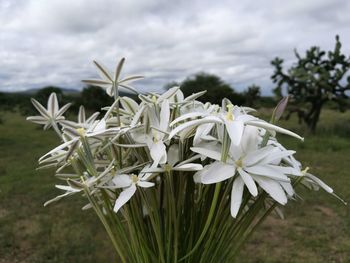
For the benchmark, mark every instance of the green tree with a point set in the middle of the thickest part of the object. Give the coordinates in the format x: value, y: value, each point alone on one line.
x: 94, y: 98
x: 43, y: 94
x: 316, y: 78
x: 216, y: 89
x: 252, y: 95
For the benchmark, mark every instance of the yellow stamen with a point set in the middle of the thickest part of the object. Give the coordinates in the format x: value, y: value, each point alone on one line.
x: 239, y: 163
x: 305, y: 170
x: 154, y: 99
x: 229, y: 115
x: 167, y: 168
x: 134, y: 178
x: 81, y: 132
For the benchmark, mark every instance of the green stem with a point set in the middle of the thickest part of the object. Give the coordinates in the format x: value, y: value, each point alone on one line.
x: 208, y: 222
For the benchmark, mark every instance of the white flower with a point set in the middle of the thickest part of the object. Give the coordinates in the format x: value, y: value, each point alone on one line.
x: 112, y: 82
x: 129, y: 183
x: 157, y: 130
x: 83, y: 122
x: 50, y: 116
x: 253, y: 165
x: 97, y: 130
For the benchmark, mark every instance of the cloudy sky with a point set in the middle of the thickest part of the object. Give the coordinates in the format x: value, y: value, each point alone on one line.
x: 53, y: 42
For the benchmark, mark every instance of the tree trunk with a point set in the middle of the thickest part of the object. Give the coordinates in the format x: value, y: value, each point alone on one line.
x: 313, y: 117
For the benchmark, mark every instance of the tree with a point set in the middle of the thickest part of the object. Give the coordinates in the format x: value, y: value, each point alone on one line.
x: 216, y: 89
x: 313, y: 80
x: 43, y: 94
x: 252, y: 95
x: 94, y: 98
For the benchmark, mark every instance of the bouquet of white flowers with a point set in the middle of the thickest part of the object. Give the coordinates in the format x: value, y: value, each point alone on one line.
x: 173, y: 179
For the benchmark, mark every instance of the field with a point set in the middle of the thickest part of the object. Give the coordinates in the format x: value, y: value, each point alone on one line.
x: 316, y: 228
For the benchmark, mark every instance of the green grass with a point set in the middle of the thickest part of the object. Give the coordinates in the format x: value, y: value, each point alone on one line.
x: 316, y: 229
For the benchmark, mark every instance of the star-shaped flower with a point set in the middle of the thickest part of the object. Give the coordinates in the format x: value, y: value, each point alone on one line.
x: 50, y: 116
x: 112, y: 82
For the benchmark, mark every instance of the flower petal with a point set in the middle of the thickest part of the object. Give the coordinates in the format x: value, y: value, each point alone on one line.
x: 235, y: 130
x: 211, y: 153
x: 40, y: 108
x: 248, y: 181
x: 273, y: 188
x: 209, y: 119
x: 267, y: 171
x: 158, y: 152
x: 124, y: 197
x: 52, y: 104
x: 37, y: 119
x: 254, y: 157
x: 269, y: 126
x: 122, y: 181
x: 236, y: 196
x: 217, y: 172
x: 164, y: 116
x: 145, y: 184
x: 188, y: 167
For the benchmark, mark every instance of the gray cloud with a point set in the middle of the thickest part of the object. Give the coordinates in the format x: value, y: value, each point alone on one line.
x: 53, y: 42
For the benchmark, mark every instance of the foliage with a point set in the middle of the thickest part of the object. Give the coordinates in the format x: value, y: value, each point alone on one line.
x: 94, y: 98
x: 252, y: 95
x: 216, y: 89
x: 315, y: 79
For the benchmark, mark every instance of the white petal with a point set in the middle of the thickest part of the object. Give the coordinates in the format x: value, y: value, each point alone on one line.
x: 210, y: 119
x: 129, y: 104
x: 158, y: 152
x: 101, y: 126
x: 173, y: 154
x: 67, y: 188
x: 187, y: 116
x: 276, y: 156
x: 40, y: 108
x: 37, y: 119
x: 211, y: 153
x: 58, y: 148
x: 164, y: 116
x: 189, y: 167
x: 122, y: 181
x: 145, y: 184
x: 288, y: 188
x: 266, y: 171
x: 273, y: 188
x: 52, y: 104
x: 201, y: 132
x: 248, y: 181
x: 63, y: 109
x: 255, y: 156
x: 217, y: 172
x: 236, y: 196
x: 81, y: 115
x: 250, y: 139
x: 169, y: 93
x: 124, y: 197
x: 137, y: 116
x: 234, y: 130
x: 271, y: 127
x: 285, y: 169
x: 319, y: 182
x: 103, y: 71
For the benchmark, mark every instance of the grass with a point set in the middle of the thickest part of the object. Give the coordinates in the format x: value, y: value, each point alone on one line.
x: 316, y: 228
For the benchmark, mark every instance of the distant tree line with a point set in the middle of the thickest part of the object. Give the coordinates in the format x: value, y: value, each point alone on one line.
x: 94, y: 98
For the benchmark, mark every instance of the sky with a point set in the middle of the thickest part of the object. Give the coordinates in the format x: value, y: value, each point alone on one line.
x: 53, y: 42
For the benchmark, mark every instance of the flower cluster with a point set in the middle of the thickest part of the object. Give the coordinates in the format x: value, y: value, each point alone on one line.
x: 140, y: 147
